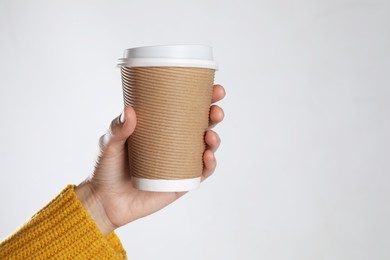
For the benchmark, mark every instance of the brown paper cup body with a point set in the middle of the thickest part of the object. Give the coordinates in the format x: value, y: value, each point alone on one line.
x: 172, y: 106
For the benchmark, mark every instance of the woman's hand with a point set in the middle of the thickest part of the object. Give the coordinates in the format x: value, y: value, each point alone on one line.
x: 108, y: 194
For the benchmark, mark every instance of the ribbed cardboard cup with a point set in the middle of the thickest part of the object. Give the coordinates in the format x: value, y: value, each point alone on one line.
x: 170, y: 88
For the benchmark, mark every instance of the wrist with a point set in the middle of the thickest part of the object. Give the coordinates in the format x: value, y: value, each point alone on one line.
x: 95, y: 209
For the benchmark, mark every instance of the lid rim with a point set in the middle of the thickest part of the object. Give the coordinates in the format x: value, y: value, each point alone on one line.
x: 149, y: 62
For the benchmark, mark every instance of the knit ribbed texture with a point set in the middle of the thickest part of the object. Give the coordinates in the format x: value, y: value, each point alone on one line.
x: 63, y: 229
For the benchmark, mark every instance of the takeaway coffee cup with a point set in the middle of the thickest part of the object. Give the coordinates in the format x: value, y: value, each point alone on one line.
x: 170, y: 89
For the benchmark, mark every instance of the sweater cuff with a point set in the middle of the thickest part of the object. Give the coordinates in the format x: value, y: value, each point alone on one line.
x: 62, y: 229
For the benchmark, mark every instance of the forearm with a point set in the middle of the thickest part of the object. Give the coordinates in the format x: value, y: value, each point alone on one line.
x: 62, y: 229
x: 93, y: 206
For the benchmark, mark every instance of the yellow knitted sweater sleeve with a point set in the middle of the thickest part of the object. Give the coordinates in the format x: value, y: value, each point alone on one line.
x: 63, y: 229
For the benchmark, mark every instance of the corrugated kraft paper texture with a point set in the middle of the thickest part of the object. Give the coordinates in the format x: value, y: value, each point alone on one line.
x: 172, y: 106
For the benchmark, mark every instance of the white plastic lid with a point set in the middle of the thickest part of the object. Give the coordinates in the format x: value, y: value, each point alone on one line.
x: 197, y: 56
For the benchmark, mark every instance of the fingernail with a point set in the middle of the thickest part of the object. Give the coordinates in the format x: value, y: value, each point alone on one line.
x: 122, y: 118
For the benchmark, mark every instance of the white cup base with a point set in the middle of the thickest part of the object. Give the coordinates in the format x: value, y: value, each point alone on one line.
x: 166, y: 185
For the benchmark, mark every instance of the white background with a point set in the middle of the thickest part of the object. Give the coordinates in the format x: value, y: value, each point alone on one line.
x: 305, y: 161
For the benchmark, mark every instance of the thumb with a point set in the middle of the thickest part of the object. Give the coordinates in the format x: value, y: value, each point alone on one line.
x: 120, y: 129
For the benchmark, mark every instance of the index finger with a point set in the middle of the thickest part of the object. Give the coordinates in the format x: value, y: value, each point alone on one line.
x: 218, y: 93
